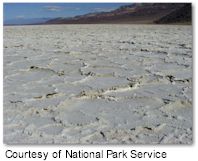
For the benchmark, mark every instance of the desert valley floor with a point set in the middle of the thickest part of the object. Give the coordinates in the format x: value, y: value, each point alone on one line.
x: 98, y: 84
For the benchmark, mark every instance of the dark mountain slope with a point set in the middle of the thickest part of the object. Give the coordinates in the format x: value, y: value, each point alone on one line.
x: 181, y: 15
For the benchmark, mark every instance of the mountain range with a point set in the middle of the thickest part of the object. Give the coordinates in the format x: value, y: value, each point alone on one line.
x: 136, y: 13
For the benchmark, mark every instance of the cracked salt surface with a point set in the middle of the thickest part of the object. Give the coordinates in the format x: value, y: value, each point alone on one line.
x: 98, y: 84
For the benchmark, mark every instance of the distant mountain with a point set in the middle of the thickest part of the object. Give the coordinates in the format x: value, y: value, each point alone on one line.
x: 25, y: 21
x: 136, y: 13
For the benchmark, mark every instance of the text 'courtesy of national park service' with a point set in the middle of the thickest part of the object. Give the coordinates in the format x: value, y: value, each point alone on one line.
x: 108, y: 154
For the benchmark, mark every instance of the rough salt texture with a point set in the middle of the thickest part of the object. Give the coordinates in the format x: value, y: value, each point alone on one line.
x: 98, y: 84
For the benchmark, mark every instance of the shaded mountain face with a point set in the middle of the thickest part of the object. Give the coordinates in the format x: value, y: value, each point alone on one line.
x: 181, y: 15
x: 144, y: 13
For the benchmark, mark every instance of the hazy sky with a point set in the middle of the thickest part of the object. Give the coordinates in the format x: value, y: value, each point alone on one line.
x: 51, y: 10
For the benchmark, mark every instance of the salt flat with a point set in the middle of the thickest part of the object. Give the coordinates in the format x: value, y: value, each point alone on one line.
x: 98, y: 84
